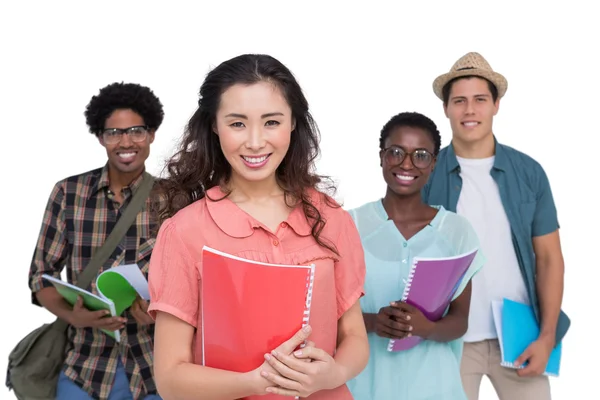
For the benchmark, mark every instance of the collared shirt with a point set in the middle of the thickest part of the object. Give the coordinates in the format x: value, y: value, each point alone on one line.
x: 175, y: 270
x: 527, y: 200
x: 79, y: 216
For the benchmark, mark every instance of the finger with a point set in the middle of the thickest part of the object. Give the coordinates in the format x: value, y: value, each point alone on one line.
x: 281, y: 381
x: 99, y: 314
x: 283, y: 392
x: 397, y: 313
x: 111, y: 321
x: 143, y: 305
x: 401, y: 305
x: 291, y: 344
x: 78, y: 303
x: 530, y: 370
x: 396, y: 325
x: 392, y: 333
x: 287, y: 366
x: 312, y: 353
x: 523, y: 357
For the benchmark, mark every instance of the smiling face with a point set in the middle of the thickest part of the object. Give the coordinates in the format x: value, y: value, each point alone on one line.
x: 254, y: 125
x: 471, y: 110
x: 403, y: 177
x: 126, y: 156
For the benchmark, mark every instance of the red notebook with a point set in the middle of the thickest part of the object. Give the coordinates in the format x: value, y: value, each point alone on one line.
x: 249, y: 308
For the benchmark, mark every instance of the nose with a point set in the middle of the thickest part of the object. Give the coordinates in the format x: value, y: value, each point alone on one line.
x: 125, y: 141
x: 469, y: 110
x: 407, y: 164
x: 255, y: 140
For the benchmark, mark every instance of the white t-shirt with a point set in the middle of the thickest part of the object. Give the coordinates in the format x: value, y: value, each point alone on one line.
x: 480, y: 203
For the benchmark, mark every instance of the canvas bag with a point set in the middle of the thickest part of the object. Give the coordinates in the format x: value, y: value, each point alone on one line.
x: 36, y: 361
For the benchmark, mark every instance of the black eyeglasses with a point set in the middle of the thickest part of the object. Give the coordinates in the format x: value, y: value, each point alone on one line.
x: 395, y: 155
x: 136, y: 133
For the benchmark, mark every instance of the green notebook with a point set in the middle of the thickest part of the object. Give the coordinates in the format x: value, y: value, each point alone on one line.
x: 117, y: 288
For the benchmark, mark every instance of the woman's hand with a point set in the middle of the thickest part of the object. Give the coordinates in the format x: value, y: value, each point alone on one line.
x: 295, y: 376
x: 411, y: 320
x: 287, y: 347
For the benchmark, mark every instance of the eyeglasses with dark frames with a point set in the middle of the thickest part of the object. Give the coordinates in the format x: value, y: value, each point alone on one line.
x: 136, y: 133
x: 395, y: 155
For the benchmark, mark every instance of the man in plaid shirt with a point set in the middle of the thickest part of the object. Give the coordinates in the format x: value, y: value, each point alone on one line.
x: 81, y: 212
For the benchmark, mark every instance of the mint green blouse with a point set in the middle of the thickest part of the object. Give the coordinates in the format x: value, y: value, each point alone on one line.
x: 431, y: 370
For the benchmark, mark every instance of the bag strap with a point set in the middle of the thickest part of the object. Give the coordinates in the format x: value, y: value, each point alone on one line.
x: 122, y: 226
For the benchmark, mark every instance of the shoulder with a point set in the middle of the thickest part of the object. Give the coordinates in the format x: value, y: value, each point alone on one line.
x: 520, y: 158
x: 451, y: 221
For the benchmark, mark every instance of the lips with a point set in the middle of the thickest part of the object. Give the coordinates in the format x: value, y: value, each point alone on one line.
x: 405, y: 179
x: 256, y: 161
x: 127, y: 156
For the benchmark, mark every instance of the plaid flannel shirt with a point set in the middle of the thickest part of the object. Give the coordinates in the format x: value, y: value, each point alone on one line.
x: 79, y: 216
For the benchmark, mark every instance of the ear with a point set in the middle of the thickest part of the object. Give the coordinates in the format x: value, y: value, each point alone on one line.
x: 496, y: 106
x: 432, y: 166
x: 100, y: 140
x: 381, y: 158
x: 214, y: 128
x: 446, y: 110
x: 151, y: 136
x: 293, y: 124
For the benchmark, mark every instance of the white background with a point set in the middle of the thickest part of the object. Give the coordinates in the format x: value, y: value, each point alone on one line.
x: 358, y: 63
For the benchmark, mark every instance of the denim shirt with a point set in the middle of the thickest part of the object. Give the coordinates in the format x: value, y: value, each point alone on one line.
x: 527, y: 200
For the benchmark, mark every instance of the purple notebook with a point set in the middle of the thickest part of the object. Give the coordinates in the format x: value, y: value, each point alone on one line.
x: 431, y: 284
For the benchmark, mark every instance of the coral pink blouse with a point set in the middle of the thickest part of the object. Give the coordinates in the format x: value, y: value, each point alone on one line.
x: 176, y: 266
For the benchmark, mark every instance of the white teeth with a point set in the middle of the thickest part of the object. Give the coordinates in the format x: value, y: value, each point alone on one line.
x: 405, y: 178
x: 255, y: 160
x: 126, y: 155
x: 470, y: 124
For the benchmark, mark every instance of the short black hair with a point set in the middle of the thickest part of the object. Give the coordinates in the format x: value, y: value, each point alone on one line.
x: 413, y: 120
x: 121, y: 95
x: 448, y: 86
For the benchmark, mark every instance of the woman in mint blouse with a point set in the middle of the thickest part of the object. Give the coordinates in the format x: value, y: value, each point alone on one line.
x: 393, y: 230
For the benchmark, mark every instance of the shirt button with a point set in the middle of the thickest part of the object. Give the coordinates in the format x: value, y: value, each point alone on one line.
x: 276, y: 242
x: 404, y: 244
x: 283, y: 224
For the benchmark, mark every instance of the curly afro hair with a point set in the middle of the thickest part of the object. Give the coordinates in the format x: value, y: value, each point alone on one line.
x: 123, y: 96
x: 413, y: 120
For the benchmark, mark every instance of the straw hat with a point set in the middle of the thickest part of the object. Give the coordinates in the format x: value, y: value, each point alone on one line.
x: 468, y: 65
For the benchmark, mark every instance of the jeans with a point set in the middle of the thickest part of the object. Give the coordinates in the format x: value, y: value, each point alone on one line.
x: 68, y: 390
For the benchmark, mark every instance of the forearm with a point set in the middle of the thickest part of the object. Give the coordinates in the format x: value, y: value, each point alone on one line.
x: 451, y: 327
x: 51, y: 300
x: 351, y: 357
x: 550, y: 284
x: 187, y: 381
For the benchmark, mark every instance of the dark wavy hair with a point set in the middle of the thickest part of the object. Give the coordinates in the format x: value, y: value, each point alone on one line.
x: 199, y: 164
x: 121, y: 95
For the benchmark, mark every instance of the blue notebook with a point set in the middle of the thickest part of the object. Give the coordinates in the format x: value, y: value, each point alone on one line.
x: 517, y: 328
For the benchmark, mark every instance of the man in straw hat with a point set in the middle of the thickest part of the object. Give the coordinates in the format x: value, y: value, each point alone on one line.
x: 506, y: 196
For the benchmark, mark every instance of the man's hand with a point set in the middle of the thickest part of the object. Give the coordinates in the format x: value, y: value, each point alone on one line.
x: 139, y: 310
x: 81, y: 317
x: 536, y: 356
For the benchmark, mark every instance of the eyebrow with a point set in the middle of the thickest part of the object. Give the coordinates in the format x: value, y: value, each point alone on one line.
x: 476, y: 95
x: 242, y: 116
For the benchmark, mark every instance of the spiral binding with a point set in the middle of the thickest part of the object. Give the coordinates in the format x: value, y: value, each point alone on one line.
x: 407, y: 285
x: 310, y: 280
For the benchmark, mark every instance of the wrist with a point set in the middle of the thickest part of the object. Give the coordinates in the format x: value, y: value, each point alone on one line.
x: 253, y: 383
x: 429, y: 330
x: 548, y: 337
x: 340, y: 376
